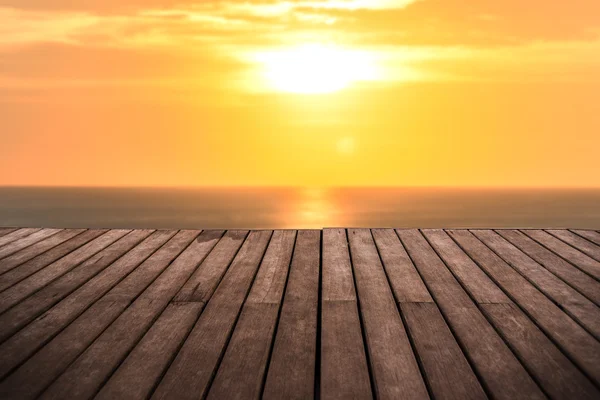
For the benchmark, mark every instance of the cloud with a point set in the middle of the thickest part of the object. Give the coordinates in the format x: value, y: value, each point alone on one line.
x: 83, y: 43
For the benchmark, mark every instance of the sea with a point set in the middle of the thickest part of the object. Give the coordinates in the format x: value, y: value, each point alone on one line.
x: 298, y: 208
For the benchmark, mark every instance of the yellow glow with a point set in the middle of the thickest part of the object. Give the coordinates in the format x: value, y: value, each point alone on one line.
x: 314, y: 68
x: 346, y: 146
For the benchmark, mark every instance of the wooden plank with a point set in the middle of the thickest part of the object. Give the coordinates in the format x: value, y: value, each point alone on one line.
x: 25, y: 242
x: 449, y: 374
x: 406, y: 283
x: 592, y: 236
x: 33, y: 283
x: 85, y: 376
x: 241, y: 372
x: 578, y: 279
x: 16, y: 235
x: 446, y: 368
x: 32, y: 266
x: 20, y: 346
x: 36, y: 249
x: 150, y: 358
x: 394, y: 368
x: 581, y: 347
x: 576, y: 305
x: 291, y: 372
x: 137, y: 376
x: 27, y: 310
x: 581, y: 244
x: 6, y: 231
x: 501, y: 374
x: 52, y: 359
x: 344, y: 366
x: 476, y: 282
x: 203, y: 282
x: 207, y: 340
x: 574, y: 256
x: 555, y: 373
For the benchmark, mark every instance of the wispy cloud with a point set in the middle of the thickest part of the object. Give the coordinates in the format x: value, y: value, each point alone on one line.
x: 157, y: 40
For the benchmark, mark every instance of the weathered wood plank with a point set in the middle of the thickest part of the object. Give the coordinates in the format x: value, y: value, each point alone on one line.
x: 27, y: 310
x: 56, y: 355
x: 574, y: 256
x: 84, y: 377
x: 136, y: 377
x: 502, y: 375
x: 158, y: 348
x: 575, y: 304
x: 25, y: 242
x: 207, y: 340
x: 581, y: 244
x: 31, y: 284
x: 407, y: 285
x: 6, y: 231
x: 241, y: 372
x: 449, y: 374
x: 344, y: 368
x: 574, y: 340
x: 32, y: 266
x: 36, y: 249
x: 445, y: 367
x: 16, y: 235
x: 572, y: 275
x: 476, y: 282
x: 592, y: 236
x: 203, y: 282
x: 555, y: 373
x: 291, y: 373
x: 394, y: 367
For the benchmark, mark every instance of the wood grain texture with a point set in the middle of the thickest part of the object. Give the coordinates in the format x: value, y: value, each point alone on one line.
x: 22, y: 344
x: 395, y: 370
x: 581, y: 347
x: 16, y: 235
x: 446, y: 369
x: 291, y: 373
x: 138, y: 374
x: 6, y: 231
x: 36, y: 249
x: 241, y: 372
x: 330, y: 314
x: 578, y: 242
x: 86, y: 374
x: 203, y: 282
x: 344, y: 368
x: 407, y: 285
x: 477, y: 283
x: 576, y: 305
x: 569, y: 253
x: 30, y: 267
x: 27, y: 310
x: 23, y: 243
x: 60, y: 350
x: 207, y: 340
x: 31, y: 284
x: 555, y: 373
x: 578, y: 279
x: 501, y: 374
x: 590, y: 235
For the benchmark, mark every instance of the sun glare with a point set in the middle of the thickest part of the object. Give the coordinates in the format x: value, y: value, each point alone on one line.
x: 314, y: 69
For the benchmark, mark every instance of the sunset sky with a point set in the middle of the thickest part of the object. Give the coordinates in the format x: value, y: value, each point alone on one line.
x: 305, y: 92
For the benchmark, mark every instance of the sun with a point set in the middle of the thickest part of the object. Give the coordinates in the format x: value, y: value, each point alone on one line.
x: 316, y: 68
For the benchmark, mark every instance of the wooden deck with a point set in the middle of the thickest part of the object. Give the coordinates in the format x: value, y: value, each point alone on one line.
x: 331, y: 314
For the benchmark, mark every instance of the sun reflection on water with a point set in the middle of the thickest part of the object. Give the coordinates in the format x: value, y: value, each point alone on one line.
x: 314, y: 208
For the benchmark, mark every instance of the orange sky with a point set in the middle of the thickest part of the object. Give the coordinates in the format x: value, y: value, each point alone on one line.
x: 397, y: 92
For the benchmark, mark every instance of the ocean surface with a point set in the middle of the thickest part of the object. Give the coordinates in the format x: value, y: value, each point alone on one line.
x: 258, y: 208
